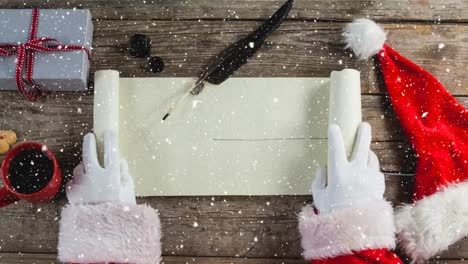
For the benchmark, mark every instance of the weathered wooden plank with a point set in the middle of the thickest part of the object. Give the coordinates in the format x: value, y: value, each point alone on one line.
x: 227, y: 260
x: 390, y: 10
x: 25, y: 227
x: 238, y: 226
x: 241, y: 226
x: 228, y: 226
x: 261, y: 226
x: 296, y: 49
x: 61, y: 120
x: 28, y: 258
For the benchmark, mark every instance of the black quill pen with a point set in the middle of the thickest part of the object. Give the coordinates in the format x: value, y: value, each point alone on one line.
x: 237, y: 54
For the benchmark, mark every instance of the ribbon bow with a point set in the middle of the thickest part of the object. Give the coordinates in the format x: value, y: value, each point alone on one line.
x: 25, y: 56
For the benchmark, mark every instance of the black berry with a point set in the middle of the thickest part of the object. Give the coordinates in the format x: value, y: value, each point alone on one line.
x: 155, y: 64
x: 140, y: 46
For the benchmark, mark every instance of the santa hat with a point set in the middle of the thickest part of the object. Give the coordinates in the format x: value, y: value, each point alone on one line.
x: 436, y: 125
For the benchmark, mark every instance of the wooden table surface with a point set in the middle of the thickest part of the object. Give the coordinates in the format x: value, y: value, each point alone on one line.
x: 186, y: 33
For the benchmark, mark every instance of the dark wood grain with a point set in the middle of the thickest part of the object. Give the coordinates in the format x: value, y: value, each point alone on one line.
x: 241, y: 226
x: 61, y: 120
x: 29, y: 228
x: 296, y: 49
x: 15, y: 258
x: 238, y: 226
x: 186, y: 34
x: 389, y: 10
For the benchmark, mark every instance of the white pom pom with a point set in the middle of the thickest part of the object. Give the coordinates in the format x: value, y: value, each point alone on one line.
x: 364, y: 37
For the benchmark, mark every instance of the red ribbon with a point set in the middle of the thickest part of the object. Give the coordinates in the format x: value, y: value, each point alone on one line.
x: 25, y: 56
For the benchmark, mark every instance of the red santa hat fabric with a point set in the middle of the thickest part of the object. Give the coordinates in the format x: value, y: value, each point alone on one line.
x: 436, y: 125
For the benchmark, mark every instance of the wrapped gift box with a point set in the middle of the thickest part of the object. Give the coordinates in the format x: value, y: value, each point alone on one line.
x: 56, y: 71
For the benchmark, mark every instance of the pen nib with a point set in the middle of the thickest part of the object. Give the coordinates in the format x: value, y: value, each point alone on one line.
x: 197, y: 88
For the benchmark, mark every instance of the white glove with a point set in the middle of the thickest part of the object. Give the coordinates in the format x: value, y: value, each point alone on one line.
x: 350, y: 183
x: 94, y: 184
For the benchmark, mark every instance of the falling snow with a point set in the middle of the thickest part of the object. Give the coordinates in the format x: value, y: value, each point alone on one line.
x: 231, y: 169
